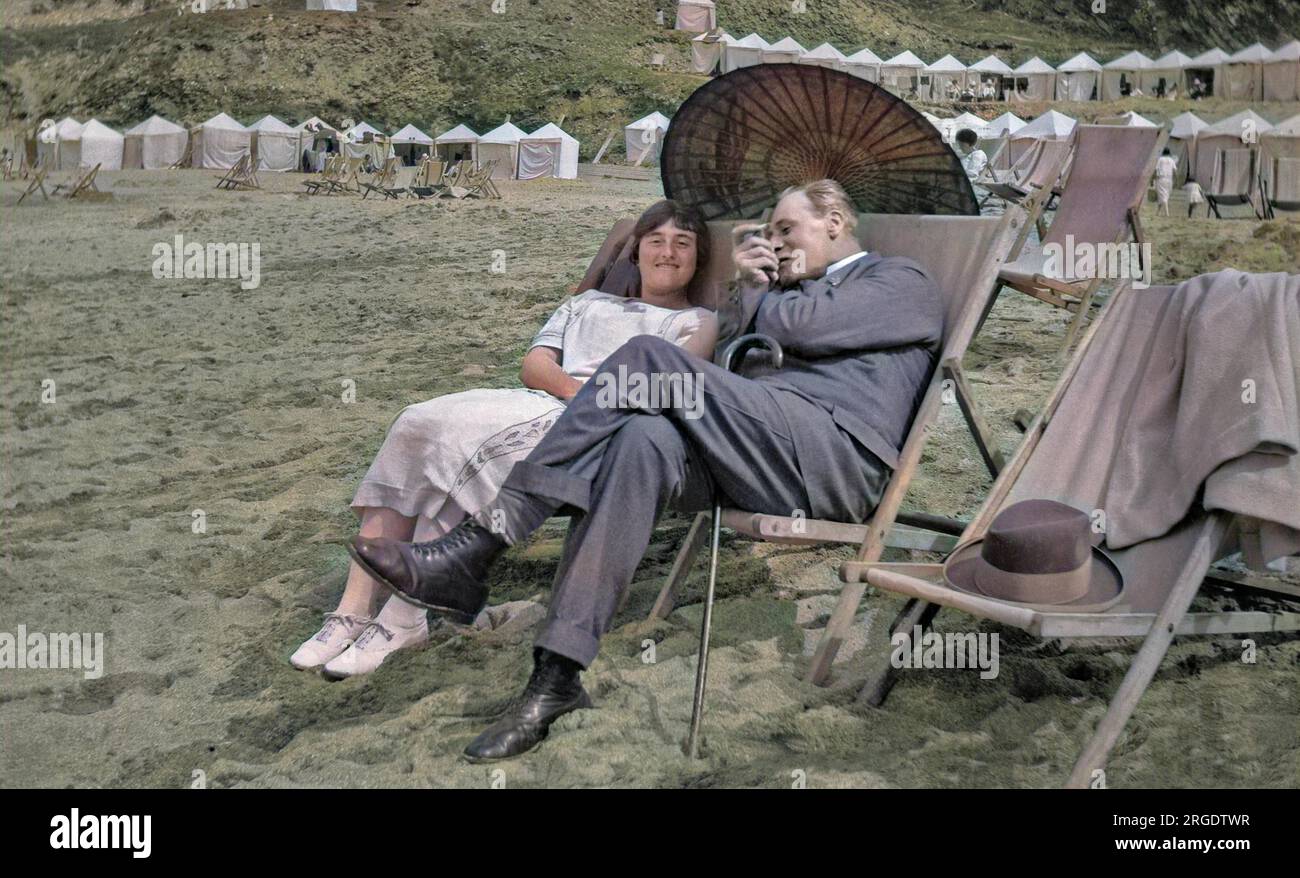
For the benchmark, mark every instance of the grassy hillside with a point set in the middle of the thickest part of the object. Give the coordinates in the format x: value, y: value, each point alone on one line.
x: 437, y: 62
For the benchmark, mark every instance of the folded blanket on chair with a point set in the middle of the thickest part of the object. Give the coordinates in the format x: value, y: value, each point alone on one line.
x: 1214, y: 411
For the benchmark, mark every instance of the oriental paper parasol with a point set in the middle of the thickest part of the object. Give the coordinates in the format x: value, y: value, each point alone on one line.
x: 741, y: 139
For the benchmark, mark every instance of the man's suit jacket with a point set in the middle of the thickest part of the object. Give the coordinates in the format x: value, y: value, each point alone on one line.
x: 860, y: 343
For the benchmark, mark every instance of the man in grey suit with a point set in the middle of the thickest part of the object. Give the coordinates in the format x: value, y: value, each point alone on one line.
x: 820, y: 436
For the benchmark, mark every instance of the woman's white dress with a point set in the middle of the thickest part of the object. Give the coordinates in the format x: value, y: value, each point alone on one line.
x: 1165, y: 167
x: 459, y: 448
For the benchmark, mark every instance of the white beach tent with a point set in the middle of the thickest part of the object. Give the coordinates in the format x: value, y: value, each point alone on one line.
x: 902, y: 74
x: 1077, y: 79
x: 1238, y: 131
x: 153, y: 144
x: 410, y: 143
x: 864, y: 64
x: 1123, y: 75
x: 331, y: 5
x: 319, y: 138
x: 278, y: 146
x: 707, y: 50
x: 784, y: 51
x: 1049, y: 126
x: 219, y: 142
x: 695, y: 16
x: 58, y: 146
x: 357, y: 133
x: 986, y: 76
x: 947, y: 79
x: 1182, y: 132
x: 1208, y: 68
x: 1130, y: 119
x: 548, y: 152
x: 745, y: 52
x: 824, y: 55
x: 1244, y: 71
x: 1167, y: 76
x: 971, y: 121
x: 1282, y: 73
x: 501, y: 145
x: 645, y: 136
x: 1007, y: 123
x: 1035, y: 80
x: 101, y: 145
x: 460, y: 144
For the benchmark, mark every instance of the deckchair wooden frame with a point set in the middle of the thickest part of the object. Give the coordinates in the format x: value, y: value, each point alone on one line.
x: 925, y: 597
x: 242, y: 175
x: 328, y: 176
x: 1236, y: 199
x: 81, y: 181
x: 1054, y: 291
x: 948, y: 383
x: 384, y: 181
x: 37, y: 184
x: 480, y: 181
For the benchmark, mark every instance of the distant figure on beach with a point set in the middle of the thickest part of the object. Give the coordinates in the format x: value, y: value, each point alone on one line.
x: 973, y: 159
x: 1164, y: 181
x: 446, y: 458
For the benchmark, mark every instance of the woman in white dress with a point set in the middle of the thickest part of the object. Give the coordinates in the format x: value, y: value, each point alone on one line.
x: 446, y: 458
x: 1164, y: 181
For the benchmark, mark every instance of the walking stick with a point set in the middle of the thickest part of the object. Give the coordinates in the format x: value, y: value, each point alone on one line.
x: 741, y: 345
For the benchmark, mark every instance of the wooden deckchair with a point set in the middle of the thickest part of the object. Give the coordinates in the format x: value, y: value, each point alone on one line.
x: 1282, y: 190
x: 965, y: 270
x: 1041, y: 166
x: 479, y: 182
x: 1235, y: 180
x: 1064, y: 457
x: 429, y: 179
x: 328, y: 176
x: 1099, y: 208
x: 81, y: 181
x: 384, y: 181
x: 36, y: 184
x: 242, y: 175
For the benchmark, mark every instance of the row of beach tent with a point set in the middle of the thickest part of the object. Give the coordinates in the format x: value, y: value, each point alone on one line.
x: 1194, y: 142
x: 1253, y: 73
x: 221, y: 141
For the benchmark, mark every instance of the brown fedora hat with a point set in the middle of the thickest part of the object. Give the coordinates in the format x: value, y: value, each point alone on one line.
x: 1038, y: 554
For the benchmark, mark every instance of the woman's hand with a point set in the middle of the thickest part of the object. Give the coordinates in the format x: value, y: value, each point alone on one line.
x: 542, y: 371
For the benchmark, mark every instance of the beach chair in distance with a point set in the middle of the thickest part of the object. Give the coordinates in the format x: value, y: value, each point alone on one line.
x: 327, y: 177
x: 1099, y: 207
x: 479, y: 182
x: 429, y: 181
x: 384, y: 181
x: 36, y: 184
x: 1062, y: 457
x: 1283, y: 190
x: 234, y: 172
x: 80, y: 182
x: 1050, y: 158
x: 965, y: 273
x: 1234, y: 181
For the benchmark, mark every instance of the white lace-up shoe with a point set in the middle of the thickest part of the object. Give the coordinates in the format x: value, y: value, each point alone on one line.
x: 376, y: 643
x: 336, y: 635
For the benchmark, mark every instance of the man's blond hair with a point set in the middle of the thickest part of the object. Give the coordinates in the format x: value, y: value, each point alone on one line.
x: 825, y: 196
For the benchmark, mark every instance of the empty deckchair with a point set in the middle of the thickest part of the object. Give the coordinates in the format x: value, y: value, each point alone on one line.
x: 965, y: 273
x: 479, y: 182
x: 1283, y: 192
x: 1099, y: 209
x: 384, y: 181
x: 1065, y: 457
x: 227, y: 180
x: 81, y: 181
x: 329, y: 175
x: 36, y: 184
x: 1234, y: 180
x: 428, y: 180
x: 1048, y: 159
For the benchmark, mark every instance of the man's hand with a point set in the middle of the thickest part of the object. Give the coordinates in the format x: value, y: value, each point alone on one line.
x: 755, y: 259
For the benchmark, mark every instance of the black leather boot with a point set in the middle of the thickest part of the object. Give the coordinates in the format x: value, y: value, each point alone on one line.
x: 554, y: 689
x: 443, y: 575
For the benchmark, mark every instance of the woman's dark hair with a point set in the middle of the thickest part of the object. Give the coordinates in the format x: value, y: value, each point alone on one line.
x: 683, y: 216
x: 1166, y: 151
x: 967, y: 136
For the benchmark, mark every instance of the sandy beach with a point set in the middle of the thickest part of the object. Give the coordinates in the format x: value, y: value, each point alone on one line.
x: 179, y: 397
